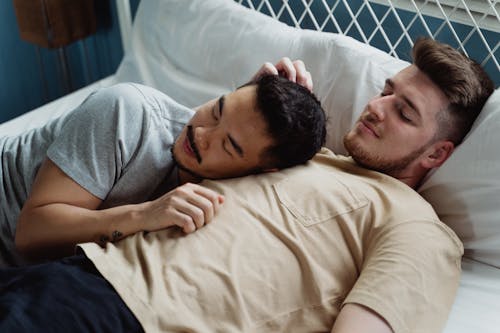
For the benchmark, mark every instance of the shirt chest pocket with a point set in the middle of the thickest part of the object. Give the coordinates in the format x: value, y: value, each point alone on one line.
x: 315, y: 200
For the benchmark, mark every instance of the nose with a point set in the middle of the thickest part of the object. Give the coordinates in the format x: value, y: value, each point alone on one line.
x: 377, y: 107
x: 202, y: 137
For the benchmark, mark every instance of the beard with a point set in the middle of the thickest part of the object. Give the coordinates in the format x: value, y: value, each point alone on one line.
x: 182, y: 166
x: 378, y: 163
x: 190, y: 137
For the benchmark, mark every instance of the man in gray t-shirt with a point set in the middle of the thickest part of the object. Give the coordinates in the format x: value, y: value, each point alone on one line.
x: 113, y: 166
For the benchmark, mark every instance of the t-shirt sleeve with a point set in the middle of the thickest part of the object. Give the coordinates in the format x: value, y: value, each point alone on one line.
x: 410, y: 276
x: 100, y: 137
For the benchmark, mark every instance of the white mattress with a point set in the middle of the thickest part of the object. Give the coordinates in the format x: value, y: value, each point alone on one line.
x: 477, y: 305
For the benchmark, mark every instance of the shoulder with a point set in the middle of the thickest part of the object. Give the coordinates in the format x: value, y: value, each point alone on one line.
x: 153, y: 100
x: 137, y: 97
x: 133, y: 106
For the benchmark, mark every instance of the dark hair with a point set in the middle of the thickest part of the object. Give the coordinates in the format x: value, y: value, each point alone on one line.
x: 295, y: 120
x: 461, y: 79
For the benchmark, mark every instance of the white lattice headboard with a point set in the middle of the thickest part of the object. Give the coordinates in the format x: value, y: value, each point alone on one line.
x: 473, y: 26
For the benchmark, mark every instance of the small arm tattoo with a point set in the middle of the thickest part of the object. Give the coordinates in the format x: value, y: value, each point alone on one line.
x: 103, y: 239
x: 115, y: 236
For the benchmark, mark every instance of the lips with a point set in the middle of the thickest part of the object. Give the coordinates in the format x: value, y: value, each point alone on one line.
x: 367, y: 127
x: 187, y: 148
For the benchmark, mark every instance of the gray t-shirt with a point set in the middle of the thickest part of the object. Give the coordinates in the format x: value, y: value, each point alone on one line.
x: 116, y: 144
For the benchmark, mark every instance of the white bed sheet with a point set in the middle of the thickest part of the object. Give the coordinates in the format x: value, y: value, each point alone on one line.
x: 477, y: 305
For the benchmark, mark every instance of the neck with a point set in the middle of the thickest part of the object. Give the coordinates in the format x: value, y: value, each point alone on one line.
x: 186, y: 177
x: 411, y: 178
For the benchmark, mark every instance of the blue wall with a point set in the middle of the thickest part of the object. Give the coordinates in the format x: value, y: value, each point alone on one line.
x: 31, y: 76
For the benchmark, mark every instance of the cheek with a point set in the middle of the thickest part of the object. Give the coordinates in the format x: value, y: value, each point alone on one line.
x: 179, y: 140
x: 407, y: 141
x: 420, y: 136
x: 403, y: 133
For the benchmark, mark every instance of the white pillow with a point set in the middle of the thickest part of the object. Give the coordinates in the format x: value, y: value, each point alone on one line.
x: 465, y: 191
x: 196, y: 50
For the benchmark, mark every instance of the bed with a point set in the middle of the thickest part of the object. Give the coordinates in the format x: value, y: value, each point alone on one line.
x: 196, y: 50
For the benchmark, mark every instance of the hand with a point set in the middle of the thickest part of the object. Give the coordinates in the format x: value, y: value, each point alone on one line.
x: 294, y: 71
x: 189, y: 206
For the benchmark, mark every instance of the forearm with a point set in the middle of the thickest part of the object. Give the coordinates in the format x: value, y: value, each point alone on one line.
x: 54, y: 229
x: 60, y: 214
x: 357, y: 318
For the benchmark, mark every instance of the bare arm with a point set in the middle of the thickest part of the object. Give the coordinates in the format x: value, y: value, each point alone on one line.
x: 359, y: 319
x: 59, y: 213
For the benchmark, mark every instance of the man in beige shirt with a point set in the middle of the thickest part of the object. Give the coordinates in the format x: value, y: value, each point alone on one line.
x: 342, y: 244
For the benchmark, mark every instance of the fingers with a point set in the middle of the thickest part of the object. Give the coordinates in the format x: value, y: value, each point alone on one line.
x: 287, y: 69
x: 303, y: 77
x: 189, y: 206
x: 203, y: 205
x: 294, y: 71
x: 266, y: 69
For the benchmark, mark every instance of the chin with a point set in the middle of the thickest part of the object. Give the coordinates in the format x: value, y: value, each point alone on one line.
x: 184, y: 166
x: 350, y: 144
x: 359, y: 154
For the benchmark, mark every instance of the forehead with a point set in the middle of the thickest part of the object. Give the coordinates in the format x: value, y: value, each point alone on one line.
x: 240, y: 107
x: 415, y: 85
x: 244, y: 121
x: 244, y: 97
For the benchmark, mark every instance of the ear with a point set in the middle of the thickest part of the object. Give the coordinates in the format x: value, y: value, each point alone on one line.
x: 437, y: 154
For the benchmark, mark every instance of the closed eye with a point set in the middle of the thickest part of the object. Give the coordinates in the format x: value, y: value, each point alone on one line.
x: 407, y: 105
x: 215, y: 116
x: 224, y: 147
x: 405, y: 118
x: 403, y: 110
x: 237, y: 148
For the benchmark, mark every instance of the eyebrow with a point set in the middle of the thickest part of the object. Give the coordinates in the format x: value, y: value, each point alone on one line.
x: 233, y: 142
x: 391, y: 84
x: 221, y: 104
